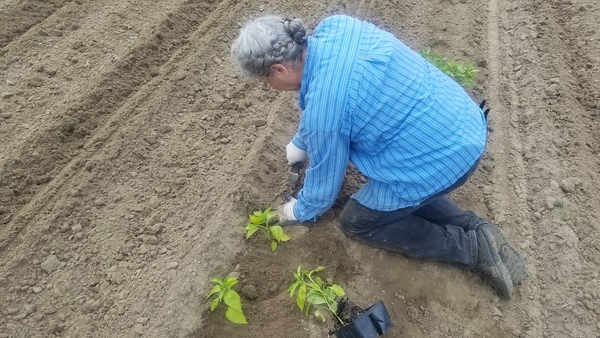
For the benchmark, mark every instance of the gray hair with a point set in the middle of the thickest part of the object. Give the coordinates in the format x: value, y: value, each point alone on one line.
x: 268, y: 40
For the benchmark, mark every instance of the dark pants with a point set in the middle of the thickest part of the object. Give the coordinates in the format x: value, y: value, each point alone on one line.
x: 437, y: 229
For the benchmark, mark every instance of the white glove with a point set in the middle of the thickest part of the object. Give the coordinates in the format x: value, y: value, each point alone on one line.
x: 286, y: 212
x: 295, y: 154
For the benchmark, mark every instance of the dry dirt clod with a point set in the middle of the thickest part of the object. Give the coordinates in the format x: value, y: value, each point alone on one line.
x: 172, y: 265
x: 56, y: 327
x: 142, y: 320
x: 35, y: 82
x: 164, y: 129
x: 258, y: 122
x: 30, y: 308
x: 297, y: 231
x: 90, y: 306
x: 51, y: 263
x: 569, y: 184
x: 249, y: 292
x: 76, y: 228
x: 138, y: 329
x: 235, y: 274
x: 11, y: 311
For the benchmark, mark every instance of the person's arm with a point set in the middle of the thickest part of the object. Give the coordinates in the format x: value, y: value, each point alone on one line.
x: 297, y: 141
x: 328, y: 154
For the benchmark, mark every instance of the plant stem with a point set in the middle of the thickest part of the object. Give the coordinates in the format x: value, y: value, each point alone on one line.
x: 265, y: 230
x: 336, y: 316
x: 327, y: 299
x: 268, y: 230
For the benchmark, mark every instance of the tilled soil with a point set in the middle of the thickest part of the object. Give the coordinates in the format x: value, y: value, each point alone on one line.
x: 131, y: 152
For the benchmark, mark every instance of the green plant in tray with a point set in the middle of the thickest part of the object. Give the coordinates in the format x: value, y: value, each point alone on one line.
x: 261, y: 220
x: 224, y: 293
x: 312, y: 290
x: 463, y: 74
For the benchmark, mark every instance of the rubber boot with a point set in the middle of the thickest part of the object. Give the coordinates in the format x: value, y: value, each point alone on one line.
x: 511, y: 258
x: 489, y: 264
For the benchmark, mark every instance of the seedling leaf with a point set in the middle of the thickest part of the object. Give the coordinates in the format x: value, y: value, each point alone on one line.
x: 337, y: 290
x: 270, y: 214
x: 329, y: 293
x: 277, y: 232
x: 334, y: 307
x: 251, y: 232
x: 214, y: 290
x: 213, y: 304
x: 230, y: 281
x: 301, y: 297
x: 319, y: 315
x: 315, y: 299
x: 232, y: 299
x: 235, y: 316
x: 292, y: 288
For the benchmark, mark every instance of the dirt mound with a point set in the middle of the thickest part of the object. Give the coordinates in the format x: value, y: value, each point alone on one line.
x: 131, y: 153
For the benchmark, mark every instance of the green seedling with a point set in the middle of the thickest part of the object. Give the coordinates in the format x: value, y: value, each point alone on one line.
x: 230, y: 297
x: 565, y: 215
x: 463, y: 74
x: 260, y: 220
x: 312, y: 290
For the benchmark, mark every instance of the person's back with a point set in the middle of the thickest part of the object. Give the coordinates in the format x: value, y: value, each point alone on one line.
x: 409, y: 125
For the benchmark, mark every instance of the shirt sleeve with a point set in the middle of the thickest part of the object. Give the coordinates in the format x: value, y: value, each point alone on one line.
x: 328, y: 152
x: 297, y: 141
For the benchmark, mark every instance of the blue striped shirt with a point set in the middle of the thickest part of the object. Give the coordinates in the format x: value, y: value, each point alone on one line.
x: 369, y: 99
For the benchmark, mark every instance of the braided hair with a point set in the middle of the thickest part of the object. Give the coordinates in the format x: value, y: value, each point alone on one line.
x: 268, y: 40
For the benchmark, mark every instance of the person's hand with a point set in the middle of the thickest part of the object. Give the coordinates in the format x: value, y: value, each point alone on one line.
x: 286, y: 212
x: 295, y: 154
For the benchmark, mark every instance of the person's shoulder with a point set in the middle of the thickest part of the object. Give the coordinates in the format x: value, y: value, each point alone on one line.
x: 338, y: 21
x: 338, y: 18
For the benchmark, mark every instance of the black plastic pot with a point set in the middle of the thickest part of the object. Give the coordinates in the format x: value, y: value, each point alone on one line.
x: 374, y: 322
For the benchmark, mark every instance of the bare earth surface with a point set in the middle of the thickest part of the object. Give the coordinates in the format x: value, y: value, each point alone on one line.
x: 131, y: 153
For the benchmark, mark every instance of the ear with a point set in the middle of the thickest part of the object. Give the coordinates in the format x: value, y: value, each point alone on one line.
x: 280, y: 69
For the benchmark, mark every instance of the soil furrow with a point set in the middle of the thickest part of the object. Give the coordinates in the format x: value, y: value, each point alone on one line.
x: 38, y: 161
x: 18, y: 17
x: 569, y: 218
x: 505, y: 162
x: 209, y: 137
x: 546, y: 171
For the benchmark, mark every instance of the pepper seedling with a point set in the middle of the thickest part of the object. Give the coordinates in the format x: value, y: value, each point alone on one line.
x: 224, y: 293
x: 462, y: 73
x: 260, y: 220
x: 312, y: 290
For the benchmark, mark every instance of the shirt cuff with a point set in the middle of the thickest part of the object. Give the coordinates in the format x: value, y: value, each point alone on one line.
x: 298, y: 143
